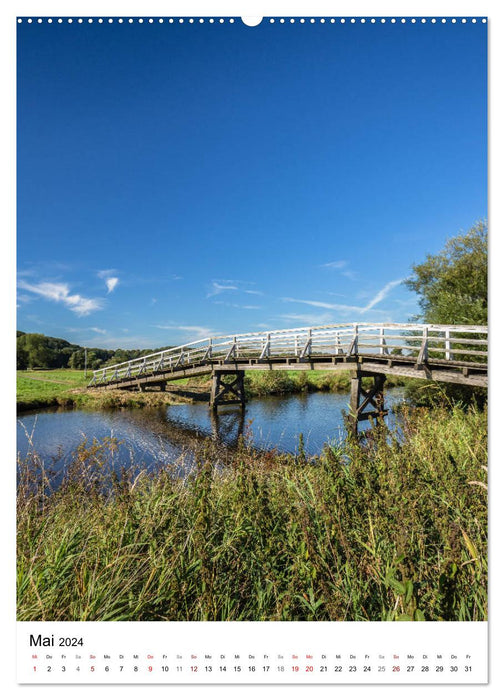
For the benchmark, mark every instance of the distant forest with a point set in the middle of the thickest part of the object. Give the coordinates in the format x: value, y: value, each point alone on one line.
x: 35, y: 350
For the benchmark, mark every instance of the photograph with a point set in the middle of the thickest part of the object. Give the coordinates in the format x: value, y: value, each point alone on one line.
x: 252, y: 319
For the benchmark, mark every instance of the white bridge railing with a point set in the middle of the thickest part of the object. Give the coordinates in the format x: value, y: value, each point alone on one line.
x: 454, y: 344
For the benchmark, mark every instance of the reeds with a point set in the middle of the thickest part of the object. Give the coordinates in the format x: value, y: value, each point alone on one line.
x: 386, y: 528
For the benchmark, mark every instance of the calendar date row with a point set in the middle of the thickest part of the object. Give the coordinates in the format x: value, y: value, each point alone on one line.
x: 283, y: 668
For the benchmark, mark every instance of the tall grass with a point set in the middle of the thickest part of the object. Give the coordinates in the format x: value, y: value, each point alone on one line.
x: 263, y: 383
x: 376, y: 529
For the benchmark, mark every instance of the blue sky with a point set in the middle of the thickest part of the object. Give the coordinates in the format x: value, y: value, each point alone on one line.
x: 182, y: 180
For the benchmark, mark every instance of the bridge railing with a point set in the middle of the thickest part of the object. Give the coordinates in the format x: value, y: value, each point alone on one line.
x: 452, y: 344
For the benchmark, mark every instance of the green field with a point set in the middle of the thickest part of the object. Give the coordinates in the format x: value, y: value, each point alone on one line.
x: 48, y: 387
x: 68, y: 388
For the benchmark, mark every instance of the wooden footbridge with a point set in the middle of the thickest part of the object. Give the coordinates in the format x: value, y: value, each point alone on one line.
x: 456, y: 354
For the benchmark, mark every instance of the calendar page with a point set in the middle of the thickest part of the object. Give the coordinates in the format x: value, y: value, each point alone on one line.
x: 252, y: 346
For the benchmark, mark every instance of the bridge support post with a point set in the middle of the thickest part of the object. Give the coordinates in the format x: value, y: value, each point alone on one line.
x: 227, y: 388
x: 361, y: 398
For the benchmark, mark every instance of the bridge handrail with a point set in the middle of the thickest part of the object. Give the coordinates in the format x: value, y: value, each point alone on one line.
x: 342, y: 338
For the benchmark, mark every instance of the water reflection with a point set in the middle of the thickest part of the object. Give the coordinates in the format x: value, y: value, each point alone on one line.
x: 228, y: 425
x: 174, y: 434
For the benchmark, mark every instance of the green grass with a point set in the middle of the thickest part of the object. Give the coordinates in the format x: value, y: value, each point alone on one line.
x: 48, y: 387
x: 379, y: 529
x: 66, y: 387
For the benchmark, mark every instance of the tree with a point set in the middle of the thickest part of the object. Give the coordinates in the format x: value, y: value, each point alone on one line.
x: 453, y: 285
x: 33, y: 351
x: 77, y: 360
x: 453, y: 289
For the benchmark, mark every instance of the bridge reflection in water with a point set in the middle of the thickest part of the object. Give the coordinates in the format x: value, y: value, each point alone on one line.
x: 441, y: 353
x: 228, y: 428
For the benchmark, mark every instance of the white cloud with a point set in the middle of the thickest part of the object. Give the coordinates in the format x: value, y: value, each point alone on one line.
x: 219, y: 288
x: 237, y: 306
x: 346, y: 308
x: 324, y: 305
x: 101, y: 331
x: 111, y: 283
x: 336, y: 265
x: 342, y: 266
x: 59, y: 292
x: 381, y: 294
x: 309, y: 319
x: 198, y: 331
x: 127, y: 342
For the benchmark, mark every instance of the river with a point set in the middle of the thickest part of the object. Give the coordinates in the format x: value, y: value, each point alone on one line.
x: 154, y: 436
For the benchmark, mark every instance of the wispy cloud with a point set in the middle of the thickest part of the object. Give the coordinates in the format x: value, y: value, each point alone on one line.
x: 381, y: 294
x: 197, y: 331
x: 44, y: 268
x: 59, y: 292
x: 126, y: 342
x: 308, y: 319
x: 218, y: 288
x: 101, y: 331
x: 324, y: 305
x: 342, y: 267
x: 335, y: 265
x: 347, y: 308
x: 237, y: 306
x: 111, y: 281
x: 241, y: 286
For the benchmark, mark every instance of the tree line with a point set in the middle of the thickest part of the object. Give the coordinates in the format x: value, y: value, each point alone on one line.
x: 38, y: 351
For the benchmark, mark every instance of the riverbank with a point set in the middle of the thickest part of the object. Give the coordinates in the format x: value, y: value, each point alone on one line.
x: 68, y: 388
x: 380, y: 529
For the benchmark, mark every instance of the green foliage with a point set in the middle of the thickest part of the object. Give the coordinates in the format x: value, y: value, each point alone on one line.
x: 421, y: 392
x: 389, y: 528
x: 35, y: 350
x: 453, y: 285
x: 259, y: 383
x: 453, y: 289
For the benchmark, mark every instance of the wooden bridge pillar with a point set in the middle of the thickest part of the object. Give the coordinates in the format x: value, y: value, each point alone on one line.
x: 361, y: 398
x: 227, y: 388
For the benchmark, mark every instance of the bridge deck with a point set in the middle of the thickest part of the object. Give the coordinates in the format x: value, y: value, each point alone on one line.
x: 455, y: 354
